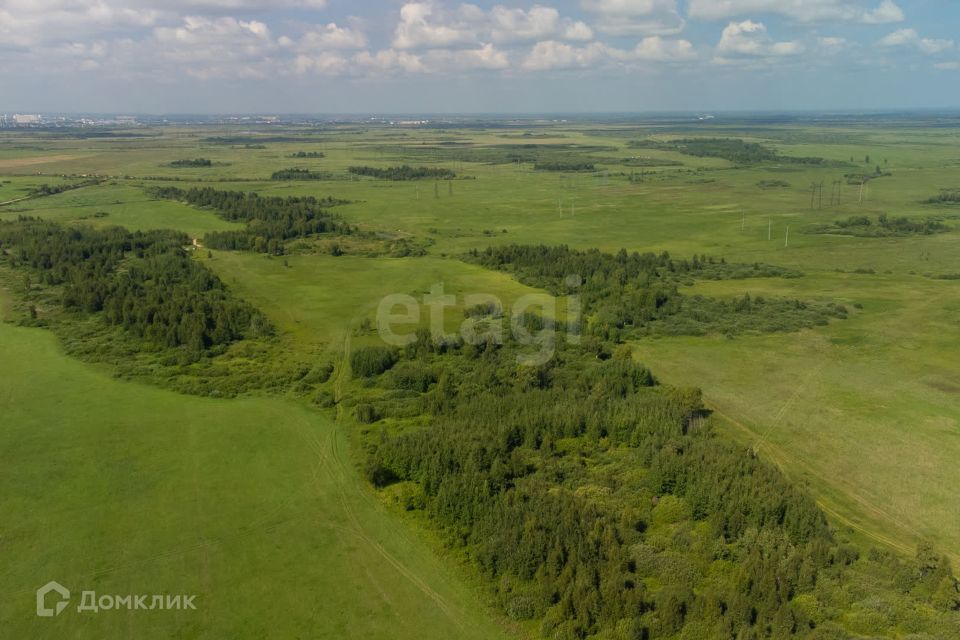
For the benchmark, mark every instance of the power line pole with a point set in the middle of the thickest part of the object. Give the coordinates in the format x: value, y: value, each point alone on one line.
x: 786, y: 238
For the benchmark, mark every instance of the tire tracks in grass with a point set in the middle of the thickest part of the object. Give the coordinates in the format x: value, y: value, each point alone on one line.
x: 330, y: 454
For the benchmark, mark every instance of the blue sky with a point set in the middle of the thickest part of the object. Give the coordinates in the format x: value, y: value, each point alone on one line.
x: 391, y: 56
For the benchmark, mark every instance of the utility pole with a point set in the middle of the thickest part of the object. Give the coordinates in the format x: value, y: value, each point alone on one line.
x: 769, y: 229
x: 786, y: 238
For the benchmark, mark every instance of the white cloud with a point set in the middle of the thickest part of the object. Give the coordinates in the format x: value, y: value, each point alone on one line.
x: 656, y: 48
x: 551, y: 54
x: 323, y: 63
x: 27, y: 23
x: 888, y: 12
x: 750, y: 39
x: 831, y: 44
x: 645, y: 17
x: 484, y: 57
x: 433, y: 61
x: 798, y: 10
x: 910, y: 38
x: 420, y: 28
x: 934, y: 46
x: 429, y: 24
x: 511, y: 25
x: 216, y: 47
x: 948, y: 66
x: 331, y: 36
x: 389, y: 60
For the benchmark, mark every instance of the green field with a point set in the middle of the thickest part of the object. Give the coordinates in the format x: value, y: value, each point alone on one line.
x: 251, y: 505
x: 256, y: 505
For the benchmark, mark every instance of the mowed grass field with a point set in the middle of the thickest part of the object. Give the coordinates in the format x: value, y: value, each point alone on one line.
x: 865, y: 412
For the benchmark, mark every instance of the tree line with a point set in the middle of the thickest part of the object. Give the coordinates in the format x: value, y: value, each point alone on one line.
x: 403, y: 172
x: 195, y: 162
x: 143, y: 282
x: 601, y: 504
x: 732, y: 149
x: 270, y: 220
x: 633, y: 294
x: 299, y: 174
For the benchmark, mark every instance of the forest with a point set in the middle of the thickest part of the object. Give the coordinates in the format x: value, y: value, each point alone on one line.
x: 563, y: 165
x: 270, y: 220
x: 196, y: 162
x: 732, y: 149
x: 885, y: 226
x: 143, y: 282
x: 946, y: 196
x: 601, y: 504
x: 300, y: 174
x: 635, y: 294
x: 403, y: 172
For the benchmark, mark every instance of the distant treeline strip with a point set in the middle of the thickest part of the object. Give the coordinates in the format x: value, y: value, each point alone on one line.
x: 270, y: 220
x: 300, y: 174
x: 634, y: 294
x: 404, y: 172
x: 732, y: 149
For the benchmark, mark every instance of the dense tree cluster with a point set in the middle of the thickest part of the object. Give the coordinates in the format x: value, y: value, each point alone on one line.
x: 196, y: 162
x: 307, y: 154
x: 370, y: 361
x: 403, y: 172
x: 564, y: 165
x: 600, y: 503
x: 885, y: 226
x: 299, y: 174
x: 53, y: 189
x: 773, y: 184
x: 946, y: 196
x: 732, y: 149
x: 636, y: 294
x: 144, y: 282
x: 270, y: 220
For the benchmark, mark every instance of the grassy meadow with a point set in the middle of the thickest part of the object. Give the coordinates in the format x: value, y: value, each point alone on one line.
x: 255, y: 504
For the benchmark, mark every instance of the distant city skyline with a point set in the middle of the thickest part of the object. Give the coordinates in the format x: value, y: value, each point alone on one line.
x: 384, y: 56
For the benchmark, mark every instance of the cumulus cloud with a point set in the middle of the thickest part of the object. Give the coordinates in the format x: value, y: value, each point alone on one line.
x: 511, y: 25
x: 910, y: 38
x: 485, y: 57
x: 329, y: 36
x: 26, y: 23
x: 550, y: 54
x: 749, y: 39
x: 428, y: 24
x: 626, y: 17
x: 215, y: 47
x: 799, y: 10
x: 421, y: 27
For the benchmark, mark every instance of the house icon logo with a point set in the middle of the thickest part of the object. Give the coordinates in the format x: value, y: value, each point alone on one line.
x: 42, y: 610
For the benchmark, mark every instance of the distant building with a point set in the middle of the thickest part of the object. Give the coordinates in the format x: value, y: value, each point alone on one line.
x: 22, y: 119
